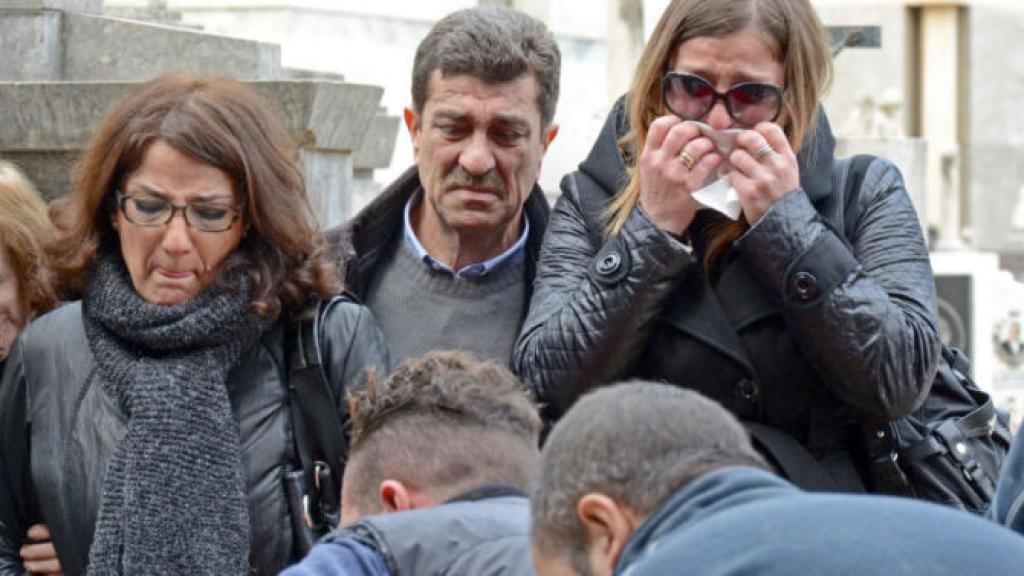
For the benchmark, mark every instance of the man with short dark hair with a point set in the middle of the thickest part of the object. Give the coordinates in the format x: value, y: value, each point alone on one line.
x: 444, y: 257
x: 442, y: 453
x: 649, y: 479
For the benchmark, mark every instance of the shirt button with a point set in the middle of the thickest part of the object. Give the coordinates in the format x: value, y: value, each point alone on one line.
x: 609, y: 263
x: 805, y: 285
x: 748, y: 390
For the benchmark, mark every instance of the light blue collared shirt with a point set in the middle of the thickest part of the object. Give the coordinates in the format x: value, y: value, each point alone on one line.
x: 513, y: 255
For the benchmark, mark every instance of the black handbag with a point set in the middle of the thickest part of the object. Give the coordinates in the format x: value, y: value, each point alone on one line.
x: 314, y: 489
x: 951, y: 448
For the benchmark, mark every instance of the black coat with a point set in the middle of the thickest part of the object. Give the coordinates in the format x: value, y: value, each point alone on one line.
x: 796, y: 330
x: 58, y: 434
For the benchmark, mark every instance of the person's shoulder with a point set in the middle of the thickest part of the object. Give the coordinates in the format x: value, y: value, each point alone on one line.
x: 348, y: 324
x: 880, y: 175
x: 56, y: 325
x: 344, y: 310
x: 375, y: 222
x: 340, y: 554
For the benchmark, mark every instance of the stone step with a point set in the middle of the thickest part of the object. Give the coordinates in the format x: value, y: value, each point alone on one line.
x: 44, y: 44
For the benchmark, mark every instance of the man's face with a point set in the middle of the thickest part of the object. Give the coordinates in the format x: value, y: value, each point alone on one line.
x: 478, y: 148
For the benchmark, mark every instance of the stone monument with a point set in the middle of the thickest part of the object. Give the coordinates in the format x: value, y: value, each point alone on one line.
x: 65, y: 63
x: 873, y: 127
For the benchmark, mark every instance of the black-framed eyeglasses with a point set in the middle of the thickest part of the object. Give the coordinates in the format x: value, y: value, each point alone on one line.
x: 153, y: 211
x: 691, y: 97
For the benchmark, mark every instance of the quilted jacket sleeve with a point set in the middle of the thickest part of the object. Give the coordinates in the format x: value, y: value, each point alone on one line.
x: 863, y: 311
x: 593, y: 306
x: 15, y: 487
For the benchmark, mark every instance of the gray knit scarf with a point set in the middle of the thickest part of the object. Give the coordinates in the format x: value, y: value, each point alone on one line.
x: 173, y: 499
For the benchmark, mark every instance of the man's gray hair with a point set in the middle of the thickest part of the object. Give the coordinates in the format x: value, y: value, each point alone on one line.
x: 636, y: 442
x: 494, y: 45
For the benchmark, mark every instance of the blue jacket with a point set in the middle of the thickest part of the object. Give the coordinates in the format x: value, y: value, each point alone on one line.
x: 484, y: 532
x: 746, y: 521
x: 1007, y: 507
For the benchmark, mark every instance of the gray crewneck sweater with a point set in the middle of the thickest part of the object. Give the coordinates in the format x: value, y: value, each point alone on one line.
x: 420, y: 309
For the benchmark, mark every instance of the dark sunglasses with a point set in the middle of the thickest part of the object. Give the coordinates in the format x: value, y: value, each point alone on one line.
x: 691, y: 97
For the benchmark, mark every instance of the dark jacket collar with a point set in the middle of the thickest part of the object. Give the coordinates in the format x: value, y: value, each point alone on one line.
x: 488, y: 491
x: 605, y: 163
x: 699, y: 499
x: 360, y: 244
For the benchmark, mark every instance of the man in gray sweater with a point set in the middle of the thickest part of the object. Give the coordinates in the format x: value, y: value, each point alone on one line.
x: 444, y: 256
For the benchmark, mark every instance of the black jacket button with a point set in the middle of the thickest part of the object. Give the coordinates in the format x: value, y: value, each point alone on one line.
x: 748, y: 390
x: 609, y: 263
x: 805, y: 286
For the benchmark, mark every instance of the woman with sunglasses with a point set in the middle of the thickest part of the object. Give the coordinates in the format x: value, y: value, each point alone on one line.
x: 775, y: 315
x: 147, y: 424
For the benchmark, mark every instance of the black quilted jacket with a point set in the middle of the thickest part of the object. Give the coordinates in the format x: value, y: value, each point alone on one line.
x: 798, y: 327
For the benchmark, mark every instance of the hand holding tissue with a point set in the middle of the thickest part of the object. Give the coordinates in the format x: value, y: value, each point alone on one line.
x: 717, y: 193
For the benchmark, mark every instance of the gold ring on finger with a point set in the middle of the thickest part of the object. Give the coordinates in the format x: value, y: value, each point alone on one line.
x: 764, y: 151
x: 687, y: 159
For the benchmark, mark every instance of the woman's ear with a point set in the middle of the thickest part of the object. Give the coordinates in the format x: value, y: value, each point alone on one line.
x: 607, y: 527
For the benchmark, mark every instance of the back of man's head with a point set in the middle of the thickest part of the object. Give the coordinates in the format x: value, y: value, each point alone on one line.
x: 495, y: 45
x: 636, y: 443
x: 442, y: 424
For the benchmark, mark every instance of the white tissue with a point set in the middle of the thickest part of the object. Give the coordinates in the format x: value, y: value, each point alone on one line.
x: 717, y: 194
x: 721, y: 197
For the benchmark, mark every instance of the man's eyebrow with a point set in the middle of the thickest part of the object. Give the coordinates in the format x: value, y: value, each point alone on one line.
x: 450, y: 115
x: 513, y: 121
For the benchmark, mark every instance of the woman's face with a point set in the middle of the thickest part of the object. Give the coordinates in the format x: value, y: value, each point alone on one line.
x: 173, y: 262
x: 12, y: 311
x: 726, y: 61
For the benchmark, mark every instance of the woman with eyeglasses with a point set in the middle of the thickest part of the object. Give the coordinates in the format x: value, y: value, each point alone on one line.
x: 148, y: 424
x: 794, y: 326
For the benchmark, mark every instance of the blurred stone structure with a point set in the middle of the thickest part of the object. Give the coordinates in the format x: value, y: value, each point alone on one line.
x: 65, y: 63
x: 375, y: 42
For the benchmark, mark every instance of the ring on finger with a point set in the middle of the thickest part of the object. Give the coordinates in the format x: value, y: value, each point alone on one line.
x: 764, y: 151
x: 687, y: 159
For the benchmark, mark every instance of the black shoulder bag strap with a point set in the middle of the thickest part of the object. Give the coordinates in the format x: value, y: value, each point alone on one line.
x: 320, y: 438
x: 790, y: 458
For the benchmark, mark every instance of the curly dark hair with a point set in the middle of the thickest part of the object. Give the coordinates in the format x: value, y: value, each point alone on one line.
x: 444, y: 422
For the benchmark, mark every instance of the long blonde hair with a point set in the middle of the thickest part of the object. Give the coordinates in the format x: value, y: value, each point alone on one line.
x: 797, y: 38
x: 23, y: 224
